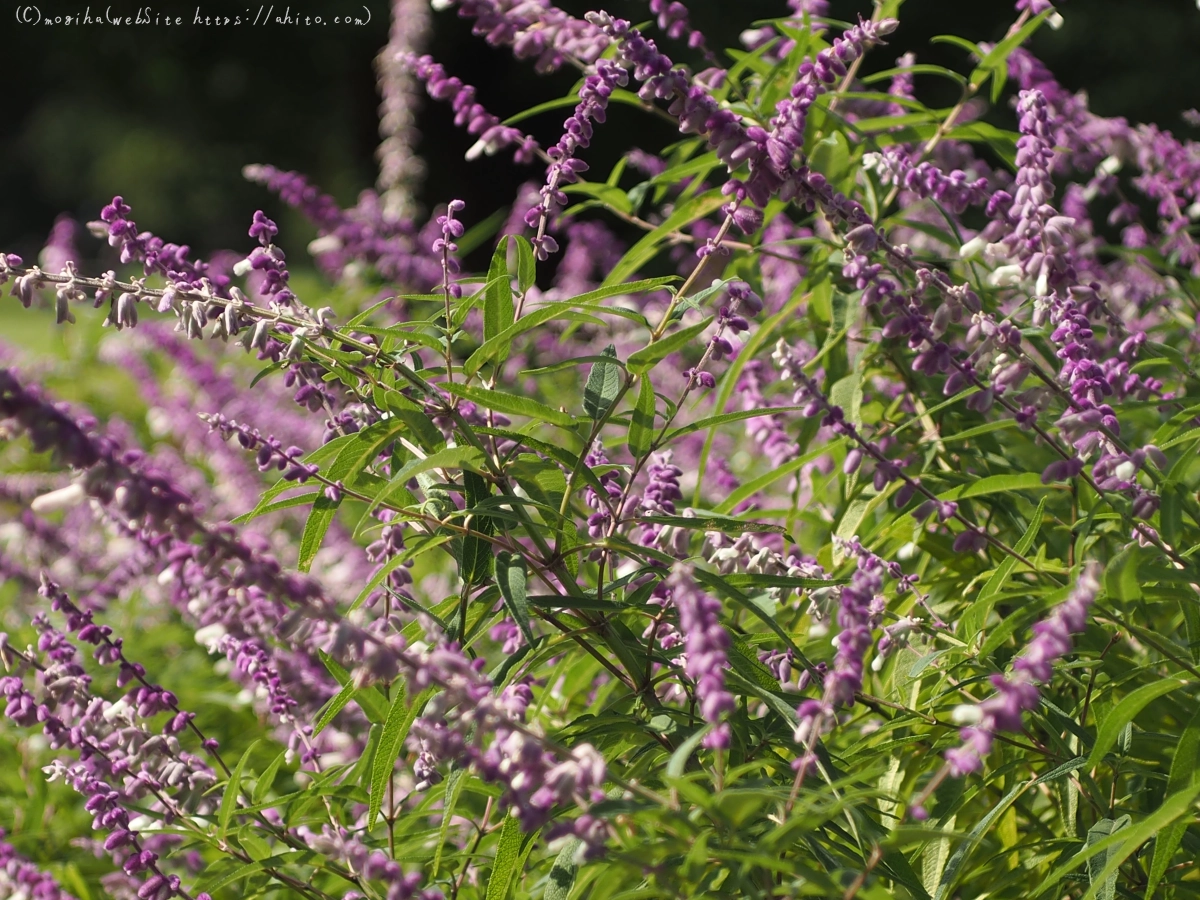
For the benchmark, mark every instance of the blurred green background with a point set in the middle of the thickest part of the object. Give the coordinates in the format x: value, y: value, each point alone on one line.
x: 168, y: 117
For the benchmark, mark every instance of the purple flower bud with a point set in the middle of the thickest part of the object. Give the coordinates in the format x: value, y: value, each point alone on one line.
x: 1062, y: 470
x: 969, y: 541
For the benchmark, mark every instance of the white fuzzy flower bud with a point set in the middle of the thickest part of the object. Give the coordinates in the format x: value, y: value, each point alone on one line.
x: 972, y: 248
x: 1005, y: 276
x: 967, y: 714
x: 63, y: 498
x: 329, y: 243
x: 209, y: 635
x: 1125, y: 471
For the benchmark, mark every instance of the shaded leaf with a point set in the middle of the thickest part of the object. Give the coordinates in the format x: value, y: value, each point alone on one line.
x: 511, y: 578
x: 508, y: 849
x: 603, y: 385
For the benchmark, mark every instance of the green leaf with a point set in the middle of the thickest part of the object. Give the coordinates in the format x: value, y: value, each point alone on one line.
x: 229, y: 875
x: 498, y: 302
x: 562, y: 874
x: 267, y: 779
x: 1121, y: 575
x: 232, y: 790
x: 783, y: 581
x: 510, y: 404
x: 369, y: 698
x: 1171, y: 512
x: 490, y: 348
x: 847, y: 394
x: 1129, y: 839
x: 1104, y: 888
x: 1183, y: 768
x: 354, y: 457
x: 511, y: 577
x: 964, y: 850
x: 508, y: 848
x: 678, y: 761
x: 969, y: 46
x: 995, y: 58
x: 526, y: 263
x: 641, y: 423
x: 1124, y: 712
x: 336, y: 704
x: 454, y: 785
x: 305, y: 499
x: 713, y: 522
x: 973, y: 619
x: 647, y: 248
x: 468, y: 459
x: 400, y: 716
x: 603, y: 385
x: 749, y: 666
x: 1191, y: 622
x: 606, y: 194
x: 571, y: 363
x: 475, y: 558
x: 418, y: 545
x: 318, y: 522
x: 480, y: 232
x: 1061, y: 771
x: 762, y: 481
x: 721, y: 586
x: 918, y: 69
x: 996, y: 484
x: 723, y: 418
x: 318, y: 456
x: 641, y: 361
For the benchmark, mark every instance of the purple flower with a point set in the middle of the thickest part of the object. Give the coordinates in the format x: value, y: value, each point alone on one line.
x: 672, y: 18
x: 400, y: 169
x: 493, y: 136
x: 814, y: 78
x: 366, y: 233
x: 21, y: 878
x: 577, y: 133
x: 706, y: 646
x: 536, y: 30
x: 60, y: 245
x: 1018, y: 693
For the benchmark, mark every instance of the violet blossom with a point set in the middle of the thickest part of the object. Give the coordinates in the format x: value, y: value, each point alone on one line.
x: 577, y: 133
x: 706, y: 647
x: 1018, y: 693
x: 400, y: 169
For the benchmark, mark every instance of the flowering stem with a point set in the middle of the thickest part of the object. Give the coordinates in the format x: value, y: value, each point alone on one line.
x: 969, y: 91
x: 683, y: 288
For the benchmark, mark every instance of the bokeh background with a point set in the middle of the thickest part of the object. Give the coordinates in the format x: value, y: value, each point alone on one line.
x: 168, y: 117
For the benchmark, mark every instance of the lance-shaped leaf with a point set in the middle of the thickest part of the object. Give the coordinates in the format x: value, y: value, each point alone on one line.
x: 475, y: 560
x: 641, y: 423
x: 603, y: 385
x: 511, y: 577
x: 498, y: 302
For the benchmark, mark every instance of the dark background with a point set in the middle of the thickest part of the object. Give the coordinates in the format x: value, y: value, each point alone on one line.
x: 167, y: 117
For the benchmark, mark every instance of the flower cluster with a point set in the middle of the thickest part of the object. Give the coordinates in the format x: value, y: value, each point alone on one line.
x: 577, y: 133
x: 1018, y: 693
x: 706, y: 648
